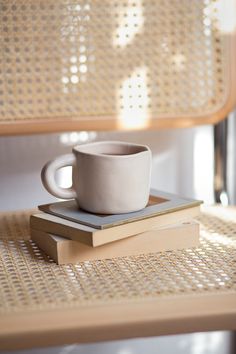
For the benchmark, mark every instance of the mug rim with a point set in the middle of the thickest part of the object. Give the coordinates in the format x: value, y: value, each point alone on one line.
x: 79, y: 149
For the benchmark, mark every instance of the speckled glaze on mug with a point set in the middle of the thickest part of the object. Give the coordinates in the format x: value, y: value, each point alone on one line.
x: 109, y: 177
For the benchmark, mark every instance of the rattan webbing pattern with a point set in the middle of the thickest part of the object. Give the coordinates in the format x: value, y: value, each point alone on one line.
x: 30, y: 280
x: 128, y: 59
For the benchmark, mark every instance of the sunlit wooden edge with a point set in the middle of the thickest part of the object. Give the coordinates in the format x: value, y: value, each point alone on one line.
x: 109, y: 124
x: 144, y: 318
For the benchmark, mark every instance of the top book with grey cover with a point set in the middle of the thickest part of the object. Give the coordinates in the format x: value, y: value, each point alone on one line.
x: 159, y: 203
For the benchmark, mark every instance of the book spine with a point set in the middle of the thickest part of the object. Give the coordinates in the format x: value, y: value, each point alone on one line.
x: 60, y: 229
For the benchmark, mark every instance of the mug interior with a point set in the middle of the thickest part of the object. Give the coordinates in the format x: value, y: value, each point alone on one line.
x: 111, y: 148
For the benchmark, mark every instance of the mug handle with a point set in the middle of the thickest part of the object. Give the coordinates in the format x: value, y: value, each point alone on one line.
x: 48, y: 176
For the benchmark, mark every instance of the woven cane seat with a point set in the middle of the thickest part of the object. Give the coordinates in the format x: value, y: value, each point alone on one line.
x: 153, y: 294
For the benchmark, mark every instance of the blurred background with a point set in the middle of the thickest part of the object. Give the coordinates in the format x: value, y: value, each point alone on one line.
x: 183, y: 162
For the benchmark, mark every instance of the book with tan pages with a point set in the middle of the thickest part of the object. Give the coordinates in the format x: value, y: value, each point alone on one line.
x: 63, y: 251
x: 97, y: 237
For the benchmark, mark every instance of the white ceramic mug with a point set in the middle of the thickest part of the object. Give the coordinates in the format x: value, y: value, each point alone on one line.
x: 108, y: 177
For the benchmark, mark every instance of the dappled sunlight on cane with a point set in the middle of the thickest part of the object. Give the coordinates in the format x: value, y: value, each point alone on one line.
x: 133, y: 100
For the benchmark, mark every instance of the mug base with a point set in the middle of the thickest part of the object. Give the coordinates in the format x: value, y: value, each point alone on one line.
x: 107, y: 212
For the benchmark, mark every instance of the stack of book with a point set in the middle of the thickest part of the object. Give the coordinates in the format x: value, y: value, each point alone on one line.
x: 70, y: 235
